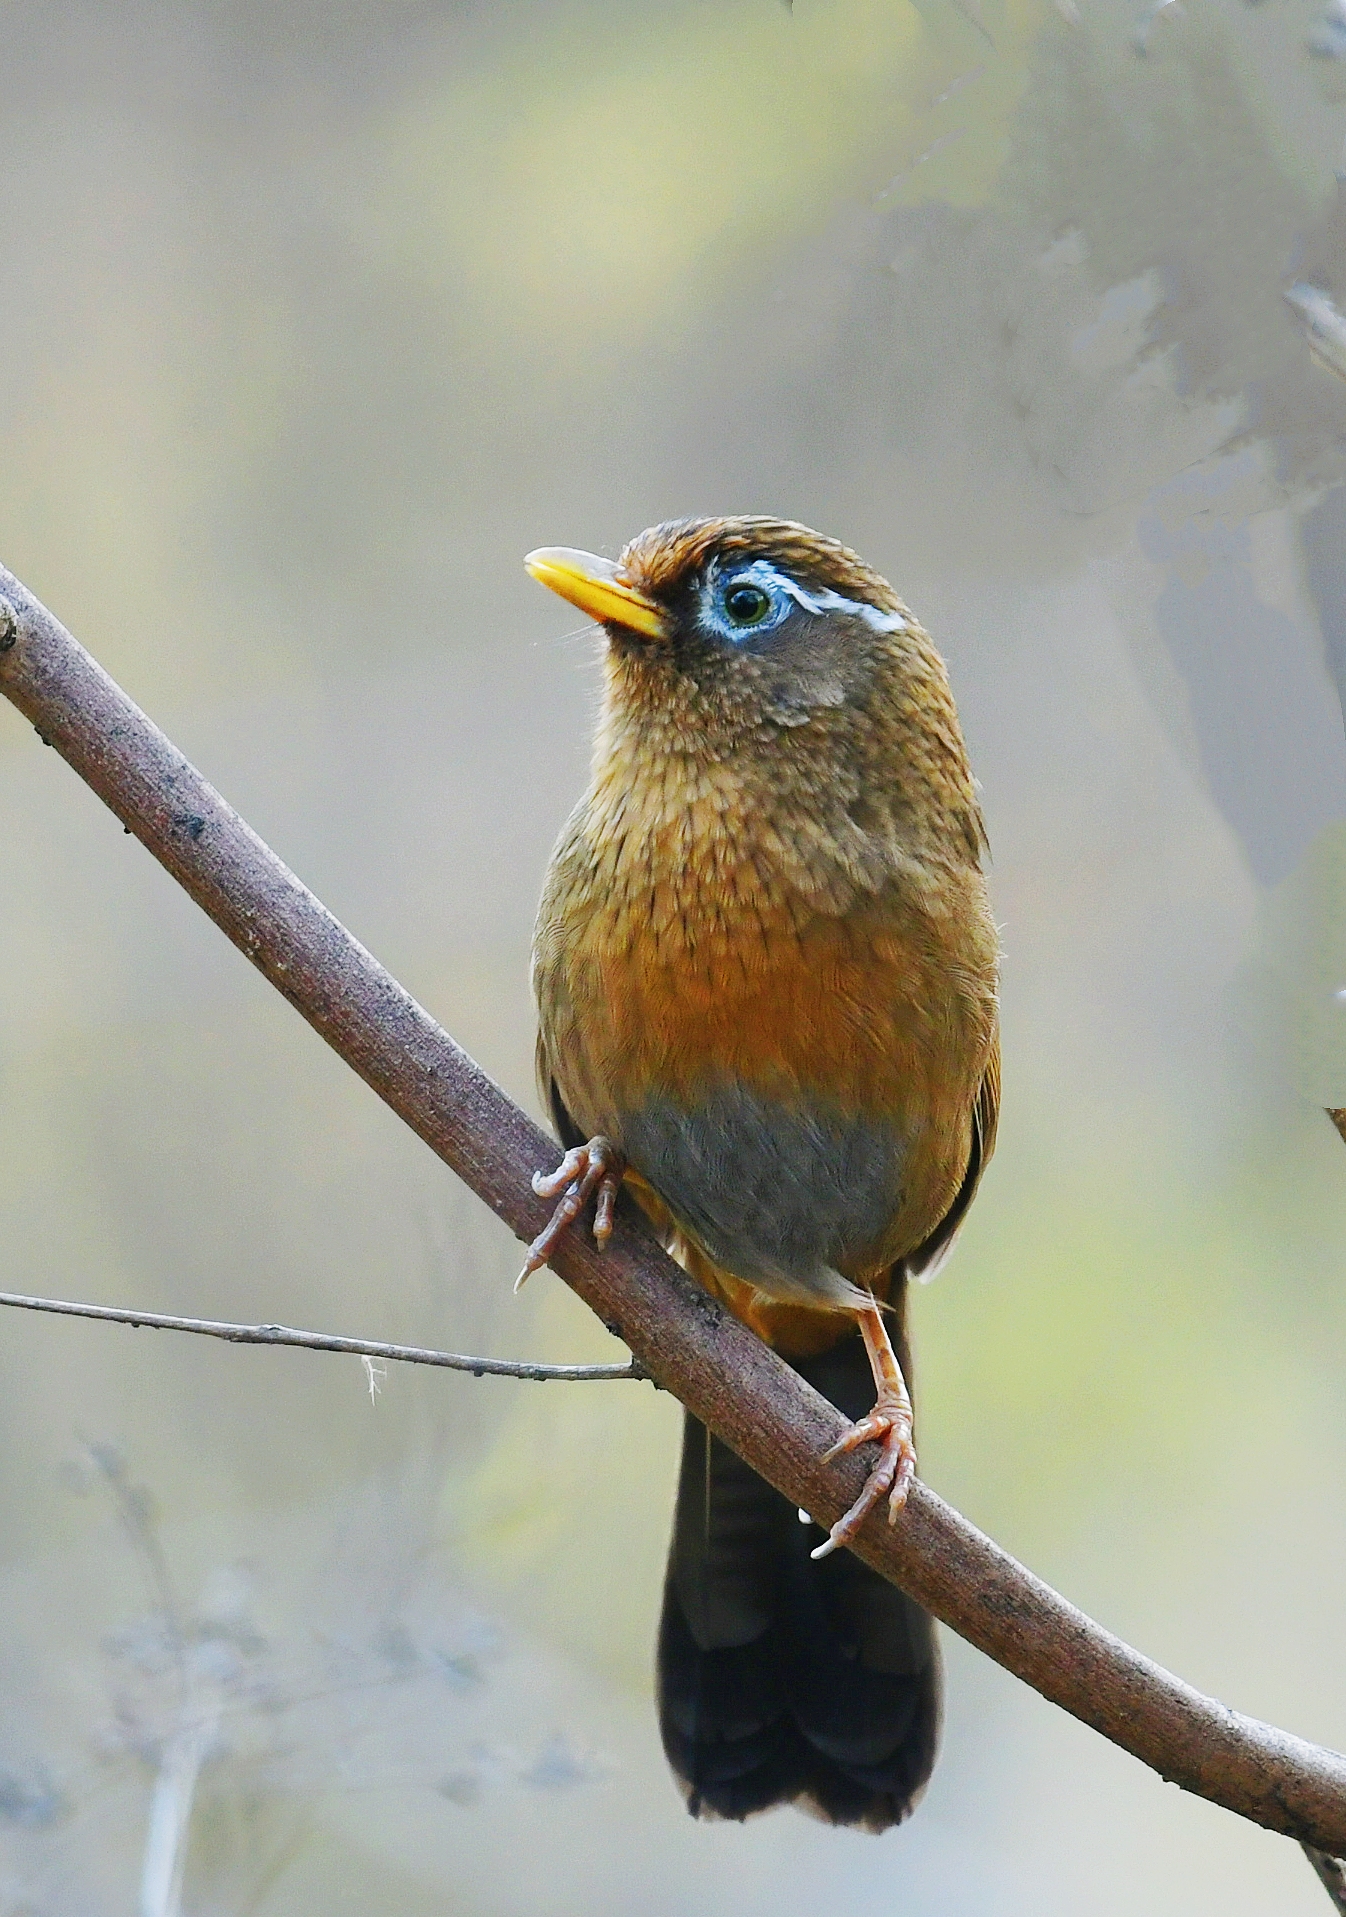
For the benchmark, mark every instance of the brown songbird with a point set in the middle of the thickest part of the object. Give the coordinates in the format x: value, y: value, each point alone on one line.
x: 765, y: 970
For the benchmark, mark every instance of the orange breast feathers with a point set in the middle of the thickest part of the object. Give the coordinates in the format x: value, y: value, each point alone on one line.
x: 732, y: 984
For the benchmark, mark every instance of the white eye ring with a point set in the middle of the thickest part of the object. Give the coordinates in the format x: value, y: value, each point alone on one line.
x: 760, y: 577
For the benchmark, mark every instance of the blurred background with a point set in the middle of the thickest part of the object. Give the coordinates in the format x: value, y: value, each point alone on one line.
x: 313, y: 319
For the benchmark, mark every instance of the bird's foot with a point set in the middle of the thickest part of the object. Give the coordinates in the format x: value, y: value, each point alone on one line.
x: 889, y: 1426
x: 586, y: 1169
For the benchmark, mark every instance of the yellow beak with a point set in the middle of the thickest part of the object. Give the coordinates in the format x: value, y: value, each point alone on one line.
x: 597, y: 587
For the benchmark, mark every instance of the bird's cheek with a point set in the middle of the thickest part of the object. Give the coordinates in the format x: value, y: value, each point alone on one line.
x: 792, y: 699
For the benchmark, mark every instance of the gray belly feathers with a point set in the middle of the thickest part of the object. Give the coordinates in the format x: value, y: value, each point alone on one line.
x: 776, y: 1195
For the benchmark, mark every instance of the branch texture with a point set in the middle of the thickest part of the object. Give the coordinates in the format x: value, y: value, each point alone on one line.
x: 325, y: 1341
x: 676, y: 1331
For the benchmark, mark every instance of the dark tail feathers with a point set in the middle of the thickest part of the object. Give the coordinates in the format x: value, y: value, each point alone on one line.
x: 782, y: 1680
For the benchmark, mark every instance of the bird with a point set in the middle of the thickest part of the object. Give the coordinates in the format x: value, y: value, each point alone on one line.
x: 766, y: 976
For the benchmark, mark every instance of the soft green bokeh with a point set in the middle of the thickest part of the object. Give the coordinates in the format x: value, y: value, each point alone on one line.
x: 601, y: 179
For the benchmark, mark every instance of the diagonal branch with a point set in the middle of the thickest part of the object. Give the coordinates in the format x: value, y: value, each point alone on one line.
x: 686, y: 1342
x: 325, y: 1341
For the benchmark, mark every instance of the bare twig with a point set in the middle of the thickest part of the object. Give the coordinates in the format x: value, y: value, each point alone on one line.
x: 1332, y: 1874
x: 325, y: 1341
x: 686, y: 1341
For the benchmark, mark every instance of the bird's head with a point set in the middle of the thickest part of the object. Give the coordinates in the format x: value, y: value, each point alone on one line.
x: 780, y: 656
x: 746, y: 621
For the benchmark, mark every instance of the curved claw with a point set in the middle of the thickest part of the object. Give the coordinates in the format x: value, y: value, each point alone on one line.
x: 597, y: 1166
x: 888, y: 1424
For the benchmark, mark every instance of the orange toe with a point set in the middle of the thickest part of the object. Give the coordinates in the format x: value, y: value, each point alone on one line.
x: 585, y: 1170
x: 888, y: 1425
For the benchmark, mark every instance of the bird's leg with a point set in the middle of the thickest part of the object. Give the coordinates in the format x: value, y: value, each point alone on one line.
x: 889, y: 1425
x: 585, y: 1169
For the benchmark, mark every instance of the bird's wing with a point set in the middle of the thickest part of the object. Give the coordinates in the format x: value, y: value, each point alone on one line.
x: 927, y: 1258
x: 566, y: 1129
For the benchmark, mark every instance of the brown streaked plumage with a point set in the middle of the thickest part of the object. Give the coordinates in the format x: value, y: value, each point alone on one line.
x: 765, y: 971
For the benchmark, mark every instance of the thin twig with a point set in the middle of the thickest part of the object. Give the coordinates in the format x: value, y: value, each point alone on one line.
x: 325, y: 1341
x: 1332, y: 1874
x: 686, y: 1341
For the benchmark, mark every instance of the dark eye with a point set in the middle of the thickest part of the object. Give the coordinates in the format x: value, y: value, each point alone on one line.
x: 746, y: 604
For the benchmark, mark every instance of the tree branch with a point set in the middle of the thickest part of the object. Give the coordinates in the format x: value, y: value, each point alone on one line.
x: 675, y: 1330
x: 326, y: 1341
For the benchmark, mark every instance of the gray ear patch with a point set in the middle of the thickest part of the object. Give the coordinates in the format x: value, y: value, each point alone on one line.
x: 808, y: 688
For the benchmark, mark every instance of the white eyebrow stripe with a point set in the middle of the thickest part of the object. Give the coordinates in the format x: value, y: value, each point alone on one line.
x: 830, y: 601
x: 818, y: 602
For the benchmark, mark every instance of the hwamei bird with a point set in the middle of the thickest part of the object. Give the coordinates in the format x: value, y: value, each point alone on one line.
x: 766, y: 978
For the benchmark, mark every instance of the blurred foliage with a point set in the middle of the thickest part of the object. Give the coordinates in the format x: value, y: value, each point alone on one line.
x: 608, y: 176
